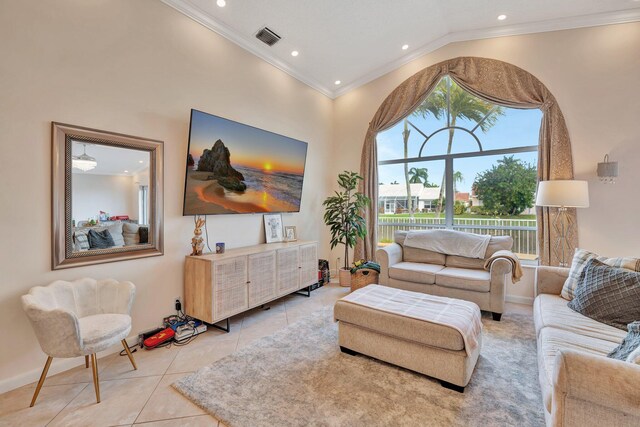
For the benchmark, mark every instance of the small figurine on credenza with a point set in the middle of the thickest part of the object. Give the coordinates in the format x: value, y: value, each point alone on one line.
x: 197, y: 242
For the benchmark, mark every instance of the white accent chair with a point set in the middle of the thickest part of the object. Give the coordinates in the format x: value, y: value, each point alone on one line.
x: 80, y: 318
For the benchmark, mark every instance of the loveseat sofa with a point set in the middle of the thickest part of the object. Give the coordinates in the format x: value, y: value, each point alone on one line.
x: 580, y: 385
x: 452, y: 276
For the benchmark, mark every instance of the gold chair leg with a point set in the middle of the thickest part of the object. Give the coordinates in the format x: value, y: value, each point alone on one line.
x: 86, y: 361
x: 96, y: 383
x: 126, y: 348
x: 42, y: 377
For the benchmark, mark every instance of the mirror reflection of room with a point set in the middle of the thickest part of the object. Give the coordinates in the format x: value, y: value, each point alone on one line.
x: 110, y: 196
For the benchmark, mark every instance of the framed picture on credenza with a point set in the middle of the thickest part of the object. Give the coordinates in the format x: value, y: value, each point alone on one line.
x: 273, y: 228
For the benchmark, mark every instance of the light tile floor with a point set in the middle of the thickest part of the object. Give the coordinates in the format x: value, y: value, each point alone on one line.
x: 145, y: 396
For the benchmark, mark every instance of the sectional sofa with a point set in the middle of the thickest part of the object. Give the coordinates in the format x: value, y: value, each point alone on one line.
x: 580, y: 385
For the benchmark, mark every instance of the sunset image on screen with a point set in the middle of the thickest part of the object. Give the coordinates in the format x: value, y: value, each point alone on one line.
x: 236, y: 168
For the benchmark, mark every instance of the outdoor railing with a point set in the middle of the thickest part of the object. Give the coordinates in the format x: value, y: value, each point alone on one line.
x: 523, y: 231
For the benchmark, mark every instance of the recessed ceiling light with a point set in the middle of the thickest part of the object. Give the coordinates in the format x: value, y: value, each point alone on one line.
x: 221, y: 3
x: 405, y: 46
x: 337, y: 82
x: 502, y: 17
x: 140, y: 161
x: 295, y: 53
x: 126, y: 171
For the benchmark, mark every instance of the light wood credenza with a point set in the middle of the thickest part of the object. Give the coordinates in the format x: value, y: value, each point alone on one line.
x: 218, y: 286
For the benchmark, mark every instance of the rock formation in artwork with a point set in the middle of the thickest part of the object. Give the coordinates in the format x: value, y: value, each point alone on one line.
x: 218, y: 162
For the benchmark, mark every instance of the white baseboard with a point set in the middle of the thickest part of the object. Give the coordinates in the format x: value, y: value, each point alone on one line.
x: 519, y: 300
x: 57, y: 366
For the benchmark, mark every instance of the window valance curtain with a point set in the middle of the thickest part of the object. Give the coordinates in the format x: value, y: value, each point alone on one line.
x: 494, y: 81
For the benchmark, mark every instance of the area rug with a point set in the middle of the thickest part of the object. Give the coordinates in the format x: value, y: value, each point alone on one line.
x: 299, y: 377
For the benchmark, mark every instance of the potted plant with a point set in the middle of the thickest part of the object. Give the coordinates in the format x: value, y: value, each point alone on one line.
x: 343, y: 215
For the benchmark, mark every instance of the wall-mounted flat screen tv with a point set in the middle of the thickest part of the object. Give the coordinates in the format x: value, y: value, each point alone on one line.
x: 235, y: 168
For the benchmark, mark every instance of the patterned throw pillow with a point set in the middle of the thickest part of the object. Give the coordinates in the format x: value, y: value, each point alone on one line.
x: 607, y: 294
x: 81, y: 241
x: 629, y: 345
x: 580, y: 259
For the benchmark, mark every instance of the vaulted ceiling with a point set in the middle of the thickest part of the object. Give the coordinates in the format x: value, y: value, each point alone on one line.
x: 356, y: 41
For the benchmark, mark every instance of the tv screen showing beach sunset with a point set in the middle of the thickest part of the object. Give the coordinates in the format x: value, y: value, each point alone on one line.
x: 235, y: 168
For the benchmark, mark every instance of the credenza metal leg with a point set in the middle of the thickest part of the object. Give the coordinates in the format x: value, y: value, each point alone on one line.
x: 307, y: 290
x: 227, y: 329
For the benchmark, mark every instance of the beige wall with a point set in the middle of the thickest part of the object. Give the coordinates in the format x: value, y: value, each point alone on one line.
x: 113, y: 194
x: 134, y: 67
x: 595, y: 75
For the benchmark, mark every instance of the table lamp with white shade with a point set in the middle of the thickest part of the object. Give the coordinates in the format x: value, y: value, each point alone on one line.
x: 563, y: 194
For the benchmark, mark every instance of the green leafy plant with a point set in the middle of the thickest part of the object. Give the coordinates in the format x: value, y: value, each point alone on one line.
x: 343, y: 213
x: 459, y: 208
x: 419, y: 176
x: 508, y: 188
x: 461, y: 105
x: 478, y: 210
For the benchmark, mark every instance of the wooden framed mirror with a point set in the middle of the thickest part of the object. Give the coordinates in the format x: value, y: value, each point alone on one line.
x: 107, y: 196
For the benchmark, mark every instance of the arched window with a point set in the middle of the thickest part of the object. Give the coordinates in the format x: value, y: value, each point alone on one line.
x: 460, y: 162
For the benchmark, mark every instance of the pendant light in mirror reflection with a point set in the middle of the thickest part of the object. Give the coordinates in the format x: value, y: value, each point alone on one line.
x: 608, y: 171
x: 84, y: 162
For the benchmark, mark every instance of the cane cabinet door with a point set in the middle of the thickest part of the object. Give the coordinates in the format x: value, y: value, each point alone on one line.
x: 261, y: 278
x: 230, y: 287
x: 288, y: 271
x: 308, y: 265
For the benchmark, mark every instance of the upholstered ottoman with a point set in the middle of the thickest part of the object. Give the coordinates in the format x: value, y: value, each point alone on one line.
x: 436, y: 336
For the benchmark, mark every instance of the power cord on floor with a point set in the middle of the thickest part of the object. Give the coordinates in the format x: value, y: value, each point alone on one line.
x: 173, y: 320
x: 181, y: 343
x: 131, y: 349
x: 186, y: 340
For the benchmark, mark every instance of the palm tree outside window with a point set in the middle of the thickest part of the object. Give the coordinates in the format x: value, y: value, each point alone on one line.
x: 463, y: 163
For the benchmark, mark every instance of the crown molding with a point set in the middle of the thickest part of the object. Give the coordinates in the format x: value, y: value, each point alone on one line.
x: 248, y: 44
x: 393, y: 65
x: 584, y: 21
x: 607, y: 18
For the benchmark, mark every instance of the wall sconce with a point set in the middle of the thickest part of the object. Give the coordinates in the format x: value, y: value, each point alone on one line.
x: 608, y: 171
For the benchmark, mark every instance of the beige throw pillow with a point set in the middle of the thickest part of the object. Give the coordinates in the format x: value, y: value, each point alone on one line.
x: 580, y: 259
x: 130, y: 234
x: 498, y: 243
x: 115, y: 230
x: 416, y: 254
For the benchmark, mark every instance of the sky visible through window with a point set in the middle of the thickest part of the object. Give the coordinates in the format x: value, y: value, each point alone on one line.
x: 516, y: 128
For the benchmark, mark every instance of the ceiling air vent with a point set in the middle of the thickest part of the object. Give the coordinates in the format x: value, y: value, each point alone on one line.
x: 267, y: 36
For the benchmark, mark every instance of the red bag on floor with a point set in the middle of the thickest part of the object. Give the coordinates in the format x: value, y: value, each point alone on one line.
x: 159, y: 338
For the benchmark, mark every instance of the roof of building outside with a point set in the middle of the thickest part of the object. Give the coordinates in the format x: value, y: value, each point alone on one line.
x: 463, y: 197
x: 400, y: 191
